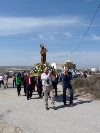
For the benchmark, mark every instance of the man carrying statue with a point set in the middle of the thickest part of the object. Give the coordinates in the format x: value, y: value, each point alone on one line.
x: 47, y: 79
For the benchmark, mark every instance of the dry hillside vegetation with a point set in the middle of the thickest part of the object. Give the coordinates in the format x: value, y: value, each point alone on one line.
x: 89, y: 87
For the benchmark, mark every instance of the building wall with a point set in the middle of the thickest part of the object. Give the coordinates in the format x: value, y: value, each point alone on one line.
x: 54, y: 65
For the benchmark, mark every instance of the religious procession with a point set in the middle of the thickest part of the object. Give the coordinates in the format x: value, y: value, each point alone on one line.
x: 42, y: 79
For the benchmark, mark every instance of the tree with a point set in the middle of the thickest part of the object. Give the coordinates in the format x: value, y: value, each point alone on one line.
x: 70, y: 65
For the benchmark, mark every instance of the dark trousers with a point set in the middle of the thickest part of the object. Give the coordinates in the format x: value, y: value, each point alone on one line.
x: 1, y: 82
x: 29, y: 91
x: 69, y: 86
x: 25, y: 89
x: 18, y: 89
x: 14, y: 83
x: 39, y: 89
x: 55, y: 87
x: 56, y: 91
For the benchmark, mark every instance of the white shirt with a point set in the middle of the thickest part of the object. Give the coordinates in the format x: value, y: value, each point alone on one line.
x: 1, y: 78
x: 45, y: 77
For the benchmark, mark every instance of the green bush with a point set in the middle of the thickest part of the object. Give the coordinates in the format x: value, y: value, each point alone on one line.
x: 89, y: 85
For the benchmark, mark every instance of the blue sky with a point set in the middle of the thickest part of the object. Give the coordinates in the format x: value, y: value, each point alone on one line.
x: 58, y: 24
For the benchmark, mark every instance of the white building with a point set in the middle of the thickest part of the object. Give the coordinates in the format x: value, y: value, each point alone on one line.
x: 94, y: 69
x: 99, y: 69
x: 56, y: 65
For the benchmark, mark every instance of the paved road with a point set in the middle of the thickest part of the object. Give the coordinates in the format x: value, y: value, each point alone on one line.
x: 31, y: 117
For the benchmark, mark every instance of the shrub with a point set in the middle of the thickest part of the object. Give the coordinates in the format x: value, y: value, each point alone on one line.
x: 90, y: 85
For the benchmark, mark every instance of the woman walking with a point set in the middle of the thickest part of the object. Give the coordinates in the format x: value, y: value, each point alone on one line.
x: 5, y: 81
x: 18, y: 83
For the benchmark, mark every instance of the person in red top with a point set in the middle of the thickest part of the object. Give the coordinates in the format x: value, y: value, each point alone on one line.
x: 28, y: 86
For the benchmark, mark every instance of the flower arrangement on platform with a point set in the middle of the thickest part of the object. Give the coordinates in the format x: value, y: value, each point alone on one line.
x: 38, y: 68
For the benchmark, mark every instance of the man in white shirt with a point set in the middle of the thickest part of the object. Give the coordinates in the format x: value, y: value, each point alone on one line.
x: 1, y: 80
x: 47, y: 79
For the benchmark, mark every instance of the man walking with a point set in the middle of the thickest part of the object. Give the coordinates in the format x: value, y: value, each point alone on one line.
x: 14, y: 80
x: 47, y: 79
x: 66, y: 77
x: 1, y: 80
x: 24, y: 83
x: 28, y: 86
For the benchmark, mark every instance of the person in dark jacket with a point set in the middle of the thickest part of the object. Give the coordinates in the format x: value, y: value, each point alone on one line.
x: 33, y: 83
x: 14, y: 80
x: 29, y: 86
x: 39, y: 86
x: 54, y: 83
x: 18, y: 83
x: 22, y: 76
x: 66, y: 77
x: 24, y: 83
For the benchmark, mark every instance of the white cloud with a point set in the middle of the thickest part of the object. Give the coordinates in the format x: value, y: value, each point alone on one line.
x: 16, y: 58
x: 67, y: 34
x: 81, y: 59
x: 20, y: 61
x: 32, y: 38
x: 51, y: 38
x: 17, y: 25
x: 97, y: 38
x: 20, y: 52
x: 46, y: 37
x: 42, y: 37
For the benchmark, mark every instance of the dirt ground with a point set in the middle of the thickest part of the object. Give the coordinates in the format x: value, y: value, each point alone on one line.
x: 6, y: 128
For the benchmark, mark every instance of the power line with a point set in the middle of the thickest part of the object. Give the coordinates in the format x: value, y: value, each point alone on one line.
x: 58, y: 56
x: 87, y: 30
x: 83, y: 36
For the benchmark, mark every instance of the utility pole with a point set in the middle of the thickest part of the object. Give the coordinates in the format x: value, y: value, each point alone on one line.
x: 71, y: 56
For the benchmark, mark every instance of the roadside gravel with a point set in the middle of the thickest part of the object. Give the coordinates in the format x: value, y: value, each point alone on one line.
x: 30, y: 116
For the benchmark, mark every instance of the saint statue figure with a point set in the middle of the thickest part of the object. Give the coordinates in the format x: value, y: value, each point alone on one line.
x: 43, y: 54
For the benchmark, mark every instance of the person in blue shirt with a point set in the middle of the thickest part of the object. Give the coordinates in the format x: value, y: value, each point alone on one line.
x: 66, y: 77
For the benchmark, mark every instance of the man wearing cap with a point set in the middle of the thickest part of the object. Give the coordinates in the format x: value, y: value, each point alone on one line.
x: 47, y: 79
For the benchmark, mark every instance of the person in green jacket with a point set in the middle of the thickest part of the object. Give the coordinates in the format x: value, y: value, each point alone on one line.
x: 18, y: 83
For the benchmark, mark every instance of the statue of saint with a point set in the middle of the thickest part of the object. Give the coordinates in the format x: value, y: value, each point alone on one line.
x: 43, y: 54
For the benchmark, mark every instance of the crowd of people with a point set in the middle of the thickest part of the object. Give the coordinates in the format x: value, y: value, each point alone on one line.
x: 30, y: 84
x: 46, y: 85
